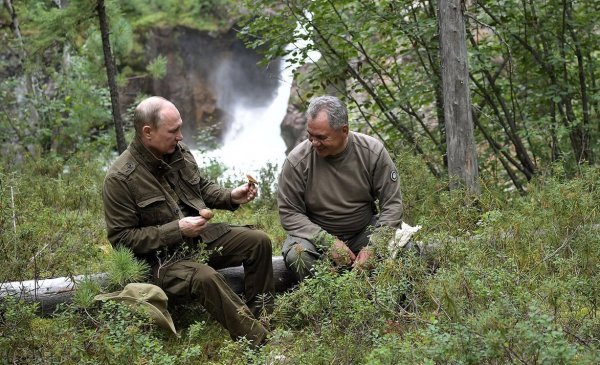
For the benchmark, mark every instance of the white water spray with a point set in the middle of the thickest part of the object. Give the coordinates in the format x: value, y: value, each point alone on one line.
x: 254, y: 138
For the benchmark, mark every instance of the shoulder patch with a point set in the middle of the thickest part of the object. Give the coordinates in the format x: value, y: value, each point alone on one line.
x: 127, y: 168
x: 394, y: 176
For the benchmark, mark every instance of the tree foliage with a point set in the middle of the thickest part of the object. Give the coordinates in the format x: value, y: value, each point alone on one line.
x: 54, y: 83
x: 533, y: 72
x: 66, y: 107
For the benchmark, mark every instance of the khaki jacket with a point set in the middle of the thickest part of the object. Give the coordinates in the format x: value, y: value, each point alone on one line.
x: 144, y: 198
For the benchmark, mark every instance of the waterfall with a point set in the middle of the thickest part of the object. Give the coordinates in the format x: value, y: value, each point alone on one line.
x: 254, y: 138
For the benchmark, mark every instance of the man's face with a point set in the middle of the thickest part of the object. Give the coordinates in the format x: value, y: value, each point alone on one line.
x: 163, y: 139
x: 325, y: 140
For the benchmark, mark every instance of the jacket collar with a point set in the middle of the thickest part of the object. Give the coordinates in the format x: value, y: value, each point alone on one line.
x: 142, y: 154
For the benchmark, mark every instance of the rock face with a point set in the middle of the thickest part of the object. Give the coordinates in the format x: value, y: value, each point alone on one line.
x: 293, y: 126
x: 207, y: 76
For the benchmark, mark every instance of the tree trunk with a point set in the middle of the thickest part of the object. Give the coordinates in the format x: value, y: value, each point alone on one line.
x: 461, y: 153
x: 111, y: 71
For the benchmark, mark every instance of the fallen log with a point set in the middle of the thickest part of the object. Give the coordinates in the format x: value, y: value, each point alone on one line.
x: 283, y: 278
x: 49, y: 293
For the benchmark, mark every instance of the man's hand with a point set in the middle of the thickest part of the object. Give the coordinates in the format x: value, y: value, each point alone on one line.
x: 243, y: 194
x: 363, y: 259
x: 341, y: 254
x: 192, y: 226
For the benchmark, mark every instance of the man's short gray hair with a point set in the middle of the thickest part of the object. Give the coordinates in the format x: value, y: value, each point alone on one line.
x: 335, y: 109
x: 148, y: 112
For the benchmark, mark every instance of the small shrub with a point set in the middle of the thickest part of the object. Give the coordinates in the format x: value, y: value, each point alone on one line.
x: 124, y: 268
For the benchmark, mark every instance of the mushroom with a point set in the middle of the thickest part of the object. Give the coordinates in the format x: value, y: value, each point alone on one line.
x: 252, y: 181
x: 206, y: 214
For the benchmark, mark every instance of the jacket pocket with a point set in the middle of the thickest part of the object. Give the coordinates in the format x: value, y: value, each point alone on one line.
x: 153, y: 210
x: 190, y: 175
x: 214, y: 231
x: 190, y: 185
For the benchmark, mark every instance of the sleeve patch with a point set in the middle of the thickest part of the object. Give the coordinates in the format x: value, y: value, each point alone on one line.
x: 394, y: 176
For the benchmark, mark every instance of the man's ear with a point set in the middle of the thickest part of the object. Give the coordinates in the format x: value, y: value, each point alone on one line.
x: 345, y: 129
x: 146, y: 131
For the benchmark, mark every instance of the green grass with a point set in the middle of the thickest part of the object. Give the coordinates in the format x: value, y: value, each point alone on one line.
x: 515, y: 279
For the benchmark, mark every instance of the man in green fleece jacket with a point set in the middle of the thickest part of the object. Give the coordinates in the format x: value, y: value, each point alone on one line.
x: 155, y: 204
x: 328, y: 189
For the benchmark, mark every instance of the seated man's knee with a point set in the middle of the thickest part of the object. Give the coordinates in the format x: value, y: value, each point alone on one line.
x: 261, y: 241
x: 299, y: 261
x: 264, y: 242
x: 205, y: 279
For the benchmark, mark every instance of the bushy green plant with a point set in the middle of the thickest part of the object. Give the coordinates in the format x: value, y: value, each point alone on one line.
x: 533, y: 250
x: 123, y: 268
x: 420, y: 190
x: 511, y: 279
x: 85, y: 292
x: 533, y: 339
x: 124, y: 335
x: 267, y: 186
x: 16, y: 318
x: 347, y: 309
x: 50, y: 216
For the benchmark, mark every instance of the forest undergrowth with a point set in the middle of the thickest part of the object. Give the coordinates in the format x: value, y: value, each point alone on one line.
x: 507, y: 278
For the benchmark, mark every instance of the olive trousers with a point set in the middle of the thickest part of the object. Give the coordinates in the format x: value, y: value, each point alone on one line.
x: 188, y: 280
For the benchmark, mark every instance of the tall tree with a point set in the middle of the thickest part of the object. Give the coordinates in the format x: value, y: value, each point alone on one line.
x: 111, y: 72
x: 462, y: 156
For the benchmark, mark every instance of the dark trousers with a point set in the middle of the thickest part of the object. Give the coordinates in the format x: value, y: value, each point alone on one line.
x: 300, y: 254
x: 190, y: 280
